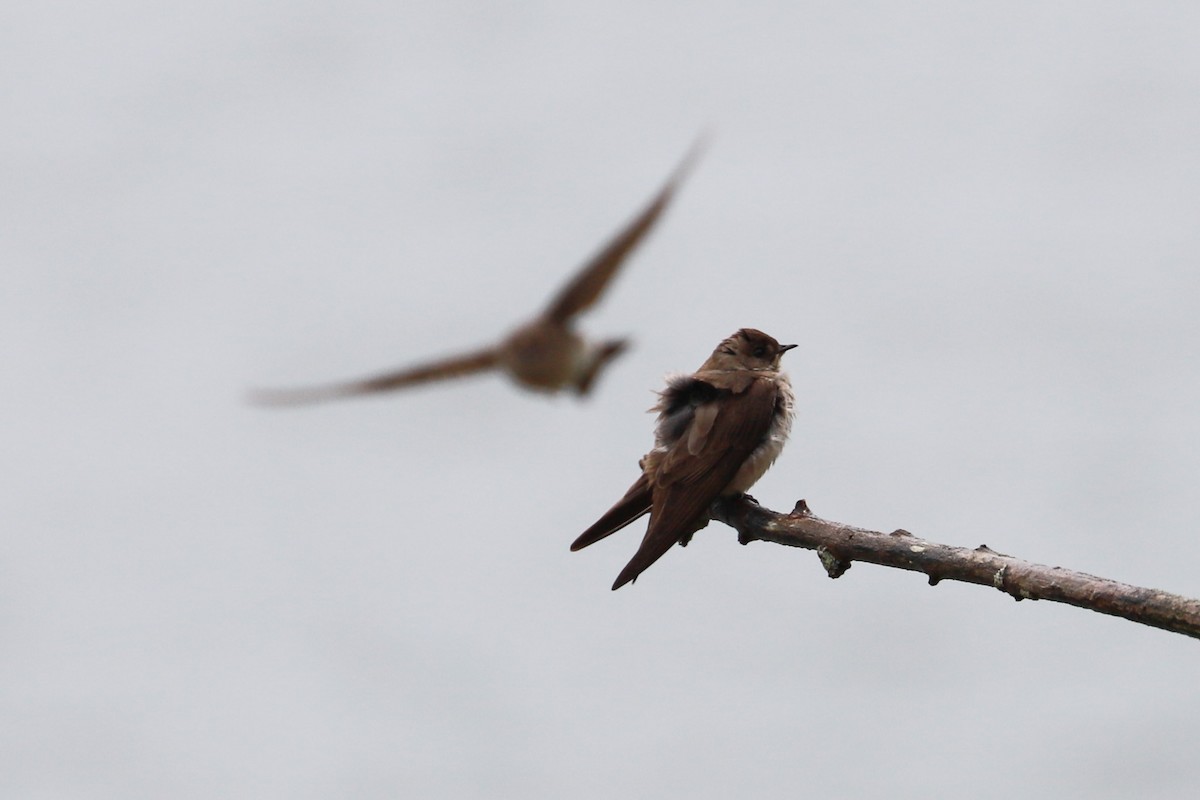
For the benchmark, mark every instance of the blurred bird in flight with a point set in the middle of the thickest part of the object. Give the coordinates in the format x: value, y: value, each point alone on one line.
x: 545, y: 353
x: 718, y: 431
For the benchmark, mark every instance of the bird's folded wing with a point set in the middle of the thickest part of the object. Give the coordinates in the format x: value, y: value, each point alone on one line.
x: 688, y: 483
x: 633, y: 505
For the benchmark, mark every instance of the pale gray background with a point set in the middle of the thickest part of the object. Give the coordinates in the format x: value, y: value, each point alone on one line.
x: 978, y: 220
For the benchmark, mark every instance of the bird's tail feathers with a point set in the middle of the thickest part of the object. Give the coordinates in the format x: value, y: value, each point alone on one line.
x: 604, y: 352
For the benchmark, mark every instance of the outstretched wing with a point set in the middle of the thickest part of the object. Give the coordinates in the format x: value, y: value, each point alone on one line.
x: 589, y: 283
x: 454, y: 367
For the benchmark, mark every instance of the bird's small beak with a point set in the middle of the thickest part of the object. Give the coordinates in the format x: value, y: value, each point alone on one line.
x: 783, y: 348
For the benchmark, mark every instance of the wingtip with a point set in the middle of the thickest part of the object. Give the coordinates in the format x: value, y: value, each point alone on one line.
x: 268, y: 398
x: 589, y: 537
x: 582, y: 541
x: 693, y: 155
x: 290, y: 398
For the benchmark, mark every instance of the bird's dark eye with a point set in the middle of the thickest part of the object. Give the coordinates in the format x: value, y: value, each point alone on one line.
x: 760, y: 351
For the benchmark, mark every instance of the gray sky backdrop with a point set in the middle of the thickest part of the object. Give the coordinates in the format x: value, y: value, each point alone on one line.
x: 978, y: 220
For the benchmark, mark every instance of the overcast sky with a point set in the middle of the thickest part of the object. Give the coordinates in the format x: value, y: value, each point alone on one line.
x: 979, y: 221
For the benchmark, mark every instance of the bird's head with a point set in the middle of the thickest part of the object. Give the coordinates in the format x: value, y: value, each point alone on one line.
x: 748, y: 349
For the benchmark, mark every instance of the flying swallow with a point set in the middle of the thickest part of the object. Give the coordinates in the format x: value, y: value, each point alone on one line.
x: 718, y: 431
x: 543, y: 354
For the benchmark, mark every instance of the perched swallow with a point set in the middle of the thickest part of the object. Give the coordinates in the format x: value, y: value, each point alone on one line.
x: 718, y: 431
x: 543, y: 354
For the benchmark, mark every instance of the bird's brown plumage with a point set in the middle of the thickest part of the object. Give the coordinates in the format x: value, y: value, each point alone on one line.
x: 545, y: 353
x: 718, y: 430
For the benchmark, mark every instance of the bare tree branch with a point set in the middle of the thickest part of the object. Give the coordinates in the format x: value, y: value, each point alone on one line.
x: 839, y: 545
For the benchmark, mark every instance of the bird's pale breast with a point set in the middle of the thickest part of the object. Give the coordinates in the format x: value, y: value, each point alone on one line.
x: 765, y: 454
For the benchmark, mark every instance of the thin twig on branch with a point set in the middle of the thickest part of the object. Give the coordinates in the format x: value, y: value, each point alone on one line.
x: 839, y: 545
